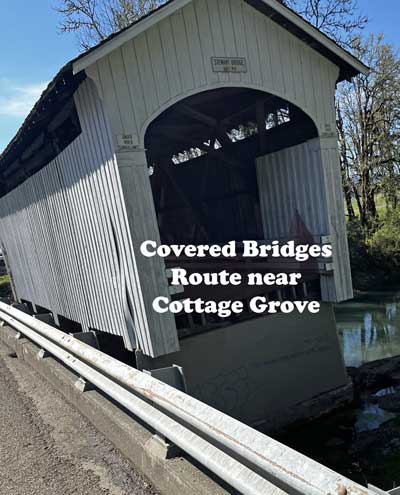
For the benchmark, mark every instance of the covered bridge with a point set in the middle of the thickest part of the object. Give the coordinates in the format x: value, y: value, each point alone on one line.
x: 206, y: 121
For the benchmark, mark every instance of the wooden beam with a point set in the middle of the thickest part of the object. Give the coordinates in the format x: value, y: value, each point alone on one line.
x: 298, y: 130
x: 251, y: 108
x: 197, y: 115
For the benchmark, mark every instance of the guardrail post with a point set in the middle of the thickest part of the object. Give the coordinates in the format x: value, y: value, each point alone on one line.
x: 160, y: 447
x: 83, y: 385
x: 42, y: 354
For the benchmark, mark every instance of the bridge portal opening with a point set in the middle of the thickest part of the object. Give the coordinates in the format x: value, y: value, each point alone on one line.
x: 202, y: 153
x: 240, y: 164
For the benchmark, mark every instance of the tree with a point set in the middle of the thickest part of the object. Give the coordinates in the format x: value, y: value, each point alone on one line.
x: 369, y: 126
x: 339, y: 19
x: 95, y: 20
x: 345, y: 165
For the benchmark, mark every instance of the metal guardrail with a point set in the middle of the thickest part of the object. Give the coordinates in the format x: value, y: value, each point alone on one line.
x: 378, y: 491
x: 249, y: 461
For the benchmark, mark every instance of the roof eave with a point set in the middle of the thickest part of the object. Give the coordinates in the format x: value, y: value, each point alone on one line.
x: 350, y: 65
x: 32, y: 122
x: 119, y: 39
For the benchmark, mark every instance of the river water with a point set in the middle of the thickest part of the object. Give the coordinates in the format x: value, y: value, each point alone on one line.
x: 369, y: 327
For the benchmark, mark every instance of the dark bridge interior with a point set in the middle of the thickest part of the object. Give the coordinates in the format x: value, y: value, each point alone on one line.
x: 202, y: 156
x: 202, y: 153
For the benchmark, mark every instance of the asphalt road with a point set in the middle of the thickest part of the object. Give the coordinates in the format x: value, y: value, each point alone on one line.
x: 47, y: 448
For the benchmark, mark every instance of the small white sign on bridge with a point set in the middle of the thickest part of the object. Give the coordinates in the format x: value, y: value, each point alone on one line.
x: 229, y: 64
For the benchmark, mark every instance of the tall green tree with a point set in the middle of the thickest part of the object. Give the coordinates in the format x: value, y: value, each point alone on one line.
x: 369, y: 124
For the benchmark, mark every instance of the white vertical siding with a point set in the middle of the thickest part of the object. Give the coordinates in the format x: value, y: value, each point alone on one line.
x: 160, y: 329
x: 336, y: 218
x: 66, y: 232
x: 306, y: 179
x: 173, y: 59
x: 292, y: 180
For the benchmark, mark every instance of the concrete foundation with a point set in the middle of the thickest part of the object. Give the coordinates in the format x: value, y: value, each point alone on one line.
x: 273, y: 370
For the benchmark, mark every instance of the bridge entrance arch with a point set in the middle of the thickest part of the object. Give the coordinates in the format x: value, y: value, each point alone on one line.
x: 202, y: 152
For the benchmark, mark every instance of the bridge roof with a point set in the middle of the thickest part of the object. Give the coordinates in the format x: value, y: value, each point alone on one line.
x: 349, y: 65
x: 69, y: 77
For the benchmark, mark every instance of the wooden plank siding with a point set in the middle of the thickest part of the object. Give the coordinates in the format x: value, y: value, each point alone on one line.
x: 172, y: 60
x: 66, y: 233
x: 337, y: 227
x: 283, y: 192
x: 305, y: 179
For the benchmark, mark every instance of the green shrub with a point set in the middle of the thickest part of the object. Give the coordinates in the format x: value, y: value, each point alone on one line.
x: 362, y: 266
x: 384, y: 243
x: 375, y: 253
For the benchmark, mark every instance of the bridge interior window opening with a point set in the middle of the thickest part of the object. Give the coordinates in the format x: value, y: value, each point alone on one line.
x: 202, y: 154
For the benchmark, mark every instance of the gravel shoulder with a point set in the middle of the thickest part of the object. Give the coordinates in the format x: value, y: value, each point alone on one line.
x: 48, y: 448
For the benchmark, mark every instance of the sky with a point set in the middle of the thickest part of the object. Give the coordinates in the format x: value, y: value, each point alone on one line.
x: 32, y: 51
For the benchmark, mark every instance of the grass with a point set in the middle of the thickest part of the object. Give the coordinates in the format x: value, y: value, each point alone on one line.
x: 380, y: 206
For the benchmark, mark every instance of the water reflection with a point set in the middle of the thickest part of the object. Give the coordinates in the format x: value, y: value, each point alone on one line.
x: 369, y: 327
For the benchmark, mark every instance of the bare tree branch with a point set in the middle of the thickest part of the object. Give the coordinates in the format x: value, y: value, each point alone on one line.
x: 339, y: 19
x: 95, y: 20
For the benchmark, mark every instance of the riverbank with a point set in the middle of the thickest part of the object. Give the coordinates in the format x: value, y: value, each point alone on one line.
x: 375, y: 252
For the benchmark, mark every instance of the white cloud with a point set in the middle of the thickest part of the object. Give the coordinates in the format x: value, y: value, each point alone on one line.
x: 17, y: 100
